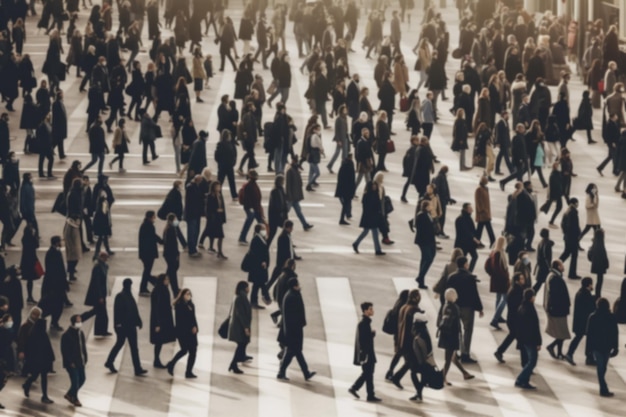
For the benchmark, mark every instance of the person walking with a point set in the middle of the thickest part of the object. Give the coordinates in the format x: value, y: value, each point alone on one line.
x: 341, y: 138
x: 557, y: 305
x: 371, y: 217
x: 483, y: 210
x: 450, y: 333
x: 315, y: 153
x: 602, y: 341
x: 555, y: 194
x: 345, y: 190
x: 391, y: 320
x: 528, y: 337
x: 97, y: 293
x: 425, y: 239
x: 55, y: 285
x: 469, y: 302
x: 161, y: 318
x: 294, y: 321
x: 239, y: 324
x: 497, y: 268
x: 544, y: 259
x: 97, y: 146
x: 35, y: 350
x: 584, y: 306
x: 466, y: 234
x: 226, y: 159
x: 186, y: 332
x: 592, y: 201
x: 599, y: 259
x: 148, y: 132
x: 28, y: 259
x: 459, y: 138
x: 74, y: 353
x: 293, y: 192
x: 250, y: 198
x: 171, y: 253
x: 46, y: 146
x: 148, y: 251
x: 277, y: 208
x: 610, y: 135
x: 258, y: 267
x: 364, y: 354
x: 120, y: 145
x: 216, y: 217
x: 571, y: 233
x: 513, y: 301
x: 127, y: 320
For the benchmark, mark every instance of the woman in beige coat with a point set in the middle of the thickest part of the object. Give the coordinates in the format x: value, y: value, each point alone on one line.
x: 198, y: 74
x: 424, y: 58
x: 400, y: 76
x: 591, y: 204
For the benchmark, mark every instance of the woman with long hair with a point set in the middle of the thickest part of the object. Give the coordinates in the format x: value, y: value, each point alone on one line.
x: 216, y: 217
x: 393, y: 319
x: 459, y: 138
x: 499, y: 283
x: 239, y: 325
x: 592, y: 202
x: 450, y: 334
x: 186, y: 332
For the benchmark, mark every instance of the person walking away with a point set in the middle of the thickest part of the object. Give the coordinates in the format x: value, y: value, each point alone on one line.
x: 97, y: 293
x: 557, y: 305
x: 513, y: 301
x: 186, y: 332
x: 571, y: 233
x: 599, y: 259
x: 35, y: 349
x: 371, y: 217
x: 345, y: 190
x: 528, y: 337
x: 497, y: 268
x: 584, y: 306
x: 148, y: 251
x: 161, y: 318
x: 602, y: 341
x: 364, y: 354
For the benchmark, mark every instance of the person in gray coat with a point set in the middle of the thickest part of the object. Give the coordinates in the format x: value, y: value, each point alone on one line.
x: 293, y: 191
x: 239, y: 325
x: 342, y: 138
x: 147, y: 135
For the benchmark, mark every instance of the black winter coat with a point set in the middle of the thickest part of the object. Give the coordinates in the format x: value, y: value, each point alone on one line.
x: 294, y: 320
x: 97, y: 285
x: 148, y: 240
x: 346, y: 184
x: 185, y: 322
x: 73, y: 348
x: 527, y: 327
x: 259, y: 253
x: 371, y: 217
x: 584, y: 305
x: 161, y: 316
x: 558, y: 302
x: 602, y: 332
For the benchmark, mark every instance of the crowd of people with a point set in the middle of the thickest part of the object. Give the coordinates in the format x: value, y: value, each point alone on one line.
x: 502, y: 105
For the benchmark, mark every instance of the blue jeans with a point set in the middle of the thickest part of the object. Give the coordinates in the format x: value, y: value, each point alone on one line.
x: 364, y: 233
x: 524, y: 376
x: 298, y: 210
x: 428, y: 256
x: 602, y: 361
x: 193, y: 231
x: 280, y: 159
x: 77, y: 379
x: 341, y: 147
x: 314, y: 173
x: 500, y: 304
x: 250, y: 216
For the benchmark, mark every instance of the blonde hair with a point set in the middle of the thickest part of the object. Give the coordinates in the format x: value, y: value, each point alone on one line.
x: 451, y: 295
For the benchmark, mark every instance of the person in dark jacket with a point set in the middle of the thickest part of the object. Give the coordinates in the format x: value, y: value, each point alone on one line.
x: 194, y: 206
x: 364, y: 354
x: 226, y: 158
x: 584, y: 121
x: 528, y: 337
x: 197, y: 157
x: 602, y: 340
x: 161, y: 318
x: 555, y: 193
x: 371, y: 217
x: 519, y: 156
x: 97, y: 146
x: 584, y: 305
x: 259, y: 262
x: 74, y: 353
x: 466, y: 234
x: 148, y: 251
x: 468, y: 302
x: 97, y: 293
x: 55, y: 285
x: 570, y: 226
x: 610, y: 135
x: 599, y: 259
x: 59, y: 123
x: 513, y: 302
x: 147, y: 135
x: 346, y: 187
x: 503, y: 141
x: 277, y: 209
x: 171, y: 254
x: 544, y: 259
x: 239, y: 324
x: 28, y: 258
x: 35, y: 349
x: 557, y: 306
x: 425, y: 239
x: 46, y: 146
x: 294, y: 321
x: 27, y: 201
x: 186, y: 332
x: 449, y: 326
x: 126, y: 318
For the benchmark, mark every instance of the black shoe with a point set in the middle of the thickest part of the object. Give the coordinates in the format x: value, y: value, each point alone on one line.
x: 380, y: 253
x: 422, y: 287
x: 141, y: 372
x: 235, y: 369
x: 397, y: 383
x: 282, y: 377
x: 190, y: 375
x: 344, y: 223
x: 570, y: 359
x: 308, y: 227
x: 354, y: 393
x: 110, y: 367
x: 356, y: 248
x: 525, y: 386
x: 373, y: 400
x: 310, y: 375
x: 46, y: 400
x: 499, y: 357
x: 26, y: 389
x: 550, y: 349
x: 56, y: 327
x: 159, y: 365
x: 606, y: 394
x: 468, y: 359
x: 389, y: 376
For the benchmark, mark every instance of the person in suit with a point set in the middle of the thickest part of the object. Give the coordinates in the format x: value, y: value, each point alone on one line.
x: 97, y: 146
x: 503, y: 141
x: 148, y: 251
x: 513, y: 301
x: 126, y: 318
x: 259, y: 264
x: 74, y: 353
x: 161, y: 318
x: 466, y: 234
x: 46, y: 146
x: 364, y: 354
x: 425, y: 239
x: 147, y: 135
x: 469, y: 302
x: 197, y: 155
x: 171, y: 254
x: 294, y: 321
x: 35, y: 349
x: 528, y: 337
x: 519, y: 156
x: 239, y: 326
x: 186, y: 332
x: 97, y: 293
x: 277, y: 209
x: 59, y: 123
x: 602, y: 340
x: 584, y: 305
x: 570, y: 226
x: 55, y: 285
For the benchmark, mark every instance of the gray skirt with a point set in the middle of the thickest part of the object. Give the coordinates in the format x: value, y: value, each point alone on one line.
x: 557, y: 327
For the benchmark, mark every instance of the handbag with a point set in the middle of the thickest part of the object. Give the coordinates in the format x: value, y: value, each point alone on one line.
x: 271, y: 89
x: 391, y: 147
x: 601, y: 86
x: 223, y: 329
x: 404, y: 104
x: 246, y: 262
x: 60, y: 205
x: 434, y: 378
x: 39, y: 272
x: 388, y: 205
x: 390, y: 326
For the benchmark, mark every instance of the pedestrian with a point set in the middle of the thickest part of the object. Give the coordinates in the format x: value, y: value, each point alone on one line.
x: 97, y: 294
x: 161, y: 318
x: 555, y: 194
x: 239, y: 325
x: 186, y: 332
x: 584, y: 306
x: 483, y: 210
x: 148, y: 133
x: 450, y: 333
x: 35, y: 349
x: 544, y: 259
x: 259, y: 266
x: 364, y: 156
x: 120, y: 145
x: 341, y: 138
x: 28, y: 259
x: 513, y: 301
x: 459, y: 138
x: 466, y: 234
x: 55, y: 284
x: 392, y: 319
x: 557, y: 305
x: 611, y: 136
x: 571, y: 232
x: 127, y: 320
x: 519, y: 156
x: 102, y: 226
x: 74, y: 353
x: 503, y: 142
x: 602, y: 340
x: 46, y: 146
x: 345, y: 189
x: 293, y: 191
x: 277, y: 209
x: 497, y: 268
x: 599, y: 259
x: 148, y: 251
x: 528, y: 338
x: 194, y: 202
x: 592, y: 201
x: 425, y: 239
x: 250, y: 198
x: 621, y: 164
x: 371, y: 217
x: 226, y: 159
x: 364, y: 354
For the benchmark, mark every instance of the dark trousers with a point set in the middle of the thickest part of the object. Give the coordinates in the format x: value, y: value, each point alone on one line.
x: 428, y: 256
x: 124, y: 334
x: 474, y: 255
x: 380, y: 166
x: 510, y: 338
x: 88, y: 228
x: 524, y: 376
x: 181, y: 237
x: 517, y: 174
x: 240, y: 354
x: 487, y: 225
x: 254, y: 294
x: 503, y: 153
x: 228, y: 173
x: 96, y: 157
x: 289, y: 355
x: 546, y: 208
x: 101, y: 324
x: 146, y: 275
x: 346, y: 208
x: 44, y: 382
x: 193, y: 231
x: 50, y: 157
x: 119, y: 157
x: 191, y: 360
x: 428, y: 129
x: 609, y: 158
x: 367, y: 378
x: 530, y: 235
x: 230, y: 58
x: 172, y: 273
x: 574, y: 345
x: 144, y: 151
x: 61, y: 148
x: 571, y: 249
x: 77, y: 379
x: 249, y: 156
x: 602, y: 361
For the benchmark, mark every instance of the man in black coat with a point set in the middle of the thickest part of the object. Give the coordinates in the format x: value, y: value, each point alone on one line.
x: 194, y: 206
x: 148, y: 133
x: 197, y: 156
x: 443, y: 192
x: 570, y: 225
x: 513, y: 301
x: 284, y: 250
x: 74, y: 353
x: 46, y: 146
x: 259, y: 262
x: 610, y: 134
x: 126, y: 318
x: 584, y: 305
x: 528, y: 337
x: 602, y: 340
x: 425, y: 239
x: 55, y: 284
x: 523, y: 113
x: 503, y: 141
x: 148, y: 251
x: 173, y: 203
x: 59, y: 123
x: 519, y: 156
x: 97, y: 146
x: 352, y: 97
x: 5, y: 141
x: 468, y: 302
x: 364, y: 354
x: 466, y: 234
x: 294, y: 321
x: 97, y: 294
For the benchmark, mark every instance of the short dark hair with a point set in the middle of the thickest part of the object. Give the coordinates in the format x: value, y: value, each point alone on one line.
x: 529, y: 293
x: 466, y: 205
x: 150, y: 214
x: 288, y: 224
x: 544, y: 233
x: 573, y: 200
x: 241, y: 285
x: 555, y: 263
x: 585, y: 282
x: 461, y: 261
x: 55, y: 239
x: 365, y: 306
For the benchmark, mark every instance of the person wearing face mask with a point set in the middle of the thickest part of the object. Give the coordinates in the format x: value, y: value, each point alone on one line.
x: 186, y: 332
x: 74, y: 353
x: 259, y: 261
x: 97, y: 294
